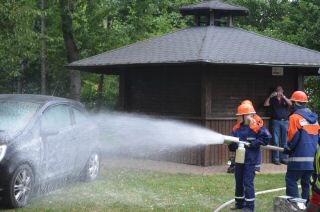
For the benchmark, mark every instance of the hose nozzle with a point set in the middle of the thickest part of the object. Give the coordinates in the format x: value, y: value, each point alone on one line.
x: 230, y: 139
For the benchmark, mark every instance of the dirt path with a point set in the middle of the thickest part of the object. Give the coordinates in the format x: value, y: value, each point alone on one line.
x: 175, y: 168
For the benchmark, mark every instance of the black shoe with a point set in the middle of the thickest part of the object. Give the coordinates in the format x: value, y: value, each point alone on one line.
x: 230, y: 170
x: 284, y: 162
x: 276, y: 162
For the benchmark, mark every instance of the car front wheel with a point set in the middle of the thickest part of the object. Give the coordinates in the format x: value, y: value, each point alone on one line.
x: 20, y: 187
x: 92, y: 168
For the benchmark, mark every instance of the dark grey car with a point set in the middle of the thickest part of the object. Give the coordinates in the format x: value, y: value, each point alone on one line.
x: 43, y: 138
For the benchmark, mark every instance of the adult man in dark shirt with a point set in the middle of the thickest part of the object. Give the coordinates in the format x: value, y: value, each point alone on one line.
x: 279, y: 104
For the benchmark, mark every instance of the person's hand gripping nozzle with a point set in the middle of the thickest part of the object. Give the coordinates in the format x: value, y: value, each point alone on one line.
x: 240, y: 152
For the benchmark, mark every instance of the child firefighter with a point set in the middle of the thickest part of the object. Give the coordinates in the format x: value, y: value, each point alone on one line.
x: 255, y: 135
x: 256, y: 127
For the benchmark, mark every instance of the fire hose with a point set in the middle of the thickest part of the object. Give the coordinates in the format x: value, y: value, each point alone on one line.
x: 241, y: 151
x: 240, y: 158
x: 231, y: 139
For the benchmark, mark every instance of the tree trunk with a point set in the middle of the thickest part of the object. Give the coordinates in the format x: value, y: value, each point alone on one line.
x: 71, y: 48
x: 20, y: 84
x: 44, y: 65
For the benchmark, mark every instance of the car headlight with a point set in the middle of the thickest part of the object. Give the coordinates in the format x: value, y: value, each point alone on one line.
x: 3, y: 149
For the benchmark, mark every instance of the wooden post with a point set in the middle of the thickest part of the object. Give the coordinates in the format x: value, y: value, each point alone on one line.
x: 197, y: 20
x: 122, y: 91
x: 300, y: 82
x: 100, y: 92
x: 230, y: 21
x: 211, y: 21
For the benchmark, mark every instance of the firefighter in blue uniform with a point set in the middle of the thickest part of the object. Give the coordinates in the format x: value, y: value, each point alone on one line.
x: 258, y: 124
x: 256, y: 136
x: 303, y: 138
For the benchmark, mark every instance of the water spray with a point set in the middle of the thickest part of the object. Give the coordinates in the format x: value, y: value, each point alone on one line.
x: 144, y: 136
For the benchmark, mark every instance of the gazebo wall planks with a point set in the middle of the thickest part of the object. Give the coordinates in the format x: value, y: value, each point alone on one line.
x: 202, y: 94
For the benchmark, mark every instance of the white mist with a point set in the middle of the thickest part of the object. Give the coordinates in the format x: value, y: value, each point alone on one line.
x: 145, y: 135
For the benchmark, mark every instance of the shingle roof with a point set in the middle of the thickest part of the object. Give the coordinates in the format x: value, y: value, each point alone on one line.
x: 212, y: 6
x: 212, y: 44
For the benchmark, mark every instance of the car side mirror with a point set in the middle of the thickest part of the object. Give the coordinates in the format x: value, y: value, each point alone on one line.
x: 48, y: 132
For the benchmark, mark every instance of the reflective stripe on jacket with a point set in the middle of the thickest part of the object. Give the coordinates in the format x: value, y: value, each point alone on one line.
x: 246, y: 133
x: 303, y: 138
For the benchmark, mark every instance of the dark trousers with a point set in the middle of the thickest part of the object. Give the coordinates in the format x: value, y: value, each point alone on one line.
x: 245, y: 195
x: 292, y: 178
x: 280, y: 137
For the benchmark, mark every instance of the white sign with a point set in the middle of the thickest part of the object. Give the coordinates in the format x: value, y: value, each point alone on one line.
x: 277, y: 71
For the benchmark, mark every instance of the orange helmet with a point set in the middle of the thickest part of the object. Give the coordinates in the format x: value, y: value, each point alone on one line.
x: 245, y: 109
x: 247, y: 101
x: 299, y: 96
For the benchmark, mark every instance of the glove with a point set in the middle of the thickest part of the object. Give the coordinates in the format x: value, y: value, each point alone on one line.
x: 233, y: 147
x: 286, y: 150
x: 247, y: 144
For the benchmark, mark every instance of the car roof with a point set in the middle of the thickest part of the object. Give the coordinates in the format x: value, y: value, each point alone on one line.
x: 40, y: 99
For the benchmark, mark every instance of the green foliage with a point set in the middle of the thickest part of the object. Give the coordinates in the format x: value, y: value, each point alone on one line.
x: 297, y: 22
x: 102, y: 25
x: 99, y: 25
x: 19, y: 42
x: 263, y: 13
x: 313, y: 90
x: 110, y: 91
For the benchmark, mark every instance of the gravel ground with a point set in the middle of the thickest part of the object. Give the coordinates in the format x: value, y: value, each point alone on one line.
x: 175, y: 168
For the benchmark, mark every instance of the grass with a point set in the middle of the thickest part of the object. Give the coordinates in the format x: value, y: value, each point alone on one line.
x: 132, y: 190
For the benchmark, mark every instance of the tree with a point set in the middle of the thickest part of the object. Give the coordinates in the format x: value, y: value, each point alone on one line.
x: 66, y: 7
x: 297, y: 22
x: 19, y: 44
x: 44, y: 65
x: 33, y: 41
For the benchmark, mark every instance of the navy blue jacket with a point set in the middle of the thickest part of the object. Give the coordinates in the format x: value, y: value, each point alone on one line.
x: 245, y: 133
x: 303, y: 139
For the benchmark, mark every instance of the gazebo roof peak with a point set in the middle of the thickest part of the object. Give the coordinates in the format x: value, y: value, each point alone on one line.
x: 214, y: 12
x: 214, y: 5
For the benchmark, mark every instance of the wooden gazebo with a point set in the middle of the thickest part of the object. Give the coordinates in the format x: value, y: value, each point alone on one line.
x: 201, y: 74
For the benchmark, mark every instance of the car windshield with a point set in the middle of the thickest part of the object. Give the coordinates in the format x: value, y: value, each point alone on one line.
x: 14, y: 115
